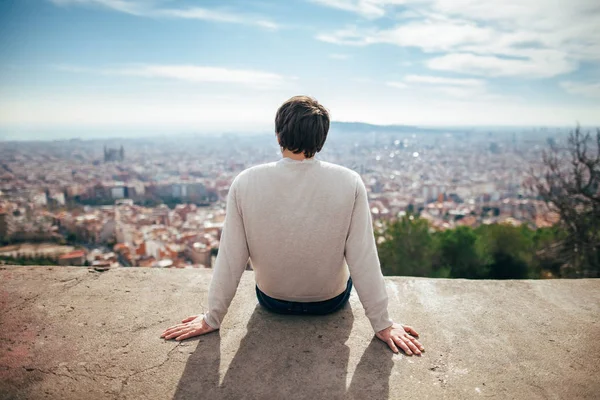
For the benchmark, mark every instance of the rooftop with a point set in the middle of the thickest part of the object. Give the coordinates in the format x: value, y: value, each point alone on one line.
x: 73, y: 333
x: 73, y: 254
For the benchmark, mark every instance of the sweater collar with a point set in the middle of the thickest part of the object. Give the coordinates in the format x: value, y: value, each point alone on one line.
x: 287, y: 160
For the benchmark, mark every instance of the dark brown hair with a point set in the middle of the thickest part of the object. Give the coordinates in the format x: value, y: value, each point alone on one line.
x: 302, y: 124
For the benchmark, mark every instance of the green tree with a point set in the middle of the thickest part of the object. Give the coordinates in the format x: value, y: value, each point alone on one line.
x: 547, y: 248
x: 459, y: 253
x: 406, y: 247
x: 508, y: 250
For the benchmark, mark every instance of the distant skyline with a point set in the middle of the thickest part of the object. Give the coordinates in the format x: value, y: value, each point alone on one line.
x: 72, y: 68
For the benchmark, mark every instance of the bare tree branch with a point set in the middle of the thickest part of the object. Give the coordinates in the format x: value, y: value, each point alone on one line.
x: 570, y: 184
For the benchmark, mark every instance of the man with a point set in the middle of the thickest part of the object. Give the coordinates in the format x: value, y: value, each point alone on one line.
x: 306, y: 226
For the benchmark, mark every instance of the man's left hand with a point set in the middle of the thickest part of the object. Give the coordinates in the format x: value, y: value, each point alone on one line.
x: 194, y: 325
x: 402, y: 336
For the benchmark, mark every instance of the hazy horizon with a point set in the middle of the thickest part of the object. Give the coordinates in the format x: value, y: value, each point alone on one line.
x: 120, y: 134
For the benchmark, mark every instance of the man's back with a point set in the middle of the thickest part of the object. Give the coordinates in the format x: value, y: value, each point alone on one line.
x: 296, y: 216
x: 297, y: 221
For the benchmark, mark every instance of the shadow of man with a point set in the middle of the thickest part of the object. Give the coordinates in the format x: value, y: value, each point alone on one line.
x: 371, y: 379
x: 287, y: 357
x: 200, y: 378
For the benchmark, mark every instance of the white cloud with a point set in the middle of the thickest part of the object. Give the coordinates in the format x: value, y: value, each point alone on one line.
x: 349, y: 36
x: 216, y: 16
x: 368, y: 9
x: 148, y: 9
x: 128, y: 7
x: 338, y: 56
x: 191, y: 73
x: 536, y: 66
x: 437, y: 80
x: 588, y: 89
x: 428, y: 35
x: 431, y: 35
x: 456, y: 88
x: 533, y: 38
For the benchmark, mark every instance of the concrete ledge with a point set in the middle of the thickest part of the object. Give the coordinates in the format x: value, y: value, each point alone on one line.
x: 67, y: 333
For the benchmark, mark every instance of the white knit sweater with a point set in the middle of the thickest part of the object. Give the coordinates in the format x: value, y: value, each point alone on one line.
x: 305, y: 225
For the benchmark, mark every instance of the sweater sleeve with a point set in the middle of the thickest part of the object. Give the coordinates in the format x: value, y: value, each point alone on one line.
x: 363, y: 262
x: 230, y: 263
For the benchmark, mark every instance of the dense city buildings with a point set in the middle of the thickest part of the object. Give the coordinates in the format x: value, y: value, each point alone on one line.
x: 163, y: 204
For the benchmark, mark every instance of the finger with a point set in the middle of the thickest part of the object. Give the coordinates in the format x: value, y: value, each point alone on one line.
x: 190, y: 318
x: 172, y: 334
x: 412, y: 346
x: 392, y: 345
x: 173, y: 329
x: 177, y: 333
x: 192, y: 333
x: 400, y: 343
x: 409, y: 329
x: 417, y: 343
x: 169, y: 330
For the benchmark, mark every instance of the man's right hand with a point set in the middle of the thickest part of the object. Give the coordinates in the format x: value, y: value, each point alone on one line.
x: 402, y: 336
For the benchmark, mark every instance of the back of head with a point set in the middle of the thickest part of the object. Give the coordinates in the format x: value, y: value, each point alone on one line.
x: 302, y: 124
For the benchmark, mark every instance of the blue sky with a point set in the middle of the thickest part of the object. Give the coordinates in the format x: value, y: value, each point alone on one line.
x: 168, y: 65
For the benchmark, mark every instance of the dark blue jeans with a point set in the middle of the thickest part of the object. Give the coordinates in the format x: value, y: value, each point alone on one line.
x: 304, y: 308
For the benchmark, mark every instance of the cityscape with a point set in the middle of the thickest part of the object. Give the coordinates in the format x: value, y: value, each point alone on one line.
x: 123, y: 124
x: 160, y: 201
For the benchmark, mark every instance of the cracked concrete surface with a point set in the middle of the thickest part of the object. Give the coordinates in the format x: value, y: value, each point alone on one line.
x: 68, y: 333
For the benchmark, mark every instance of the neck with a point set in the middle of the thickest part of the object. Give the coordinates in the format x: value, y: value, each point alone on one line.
x: 289, y: 154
